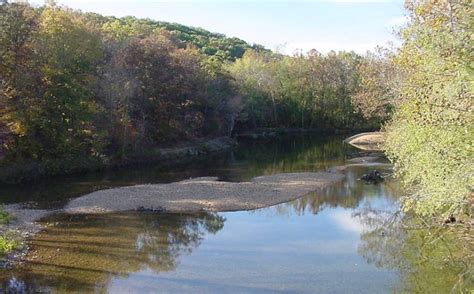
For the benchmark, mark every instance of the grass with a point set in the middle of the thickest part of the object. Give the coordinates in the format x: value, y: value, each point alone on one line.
x: 6, y: 244
x: 5, y: 217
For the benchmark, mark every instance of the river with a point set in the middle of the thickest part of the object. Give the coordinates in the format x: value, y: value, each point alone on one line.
x: 348, y: 238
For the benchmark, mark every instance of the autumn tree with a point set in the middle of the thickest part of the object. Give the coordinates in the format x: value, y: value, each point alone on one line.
x: 80, y: 90
x: 17, y: 24
x: 378, y: 82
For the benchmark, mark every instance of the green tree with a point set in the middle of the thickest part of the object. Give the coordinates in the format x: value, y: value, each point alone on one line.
x: 60, y: 116
x: 430, y: 136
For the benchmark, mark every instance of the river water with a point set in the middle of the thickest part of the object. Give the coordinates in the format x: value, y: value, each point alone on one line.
x: 334, y: 241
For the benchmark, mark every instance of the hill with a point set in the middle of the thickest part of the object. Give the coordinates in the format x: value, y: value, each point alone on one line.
x: 209, y: 43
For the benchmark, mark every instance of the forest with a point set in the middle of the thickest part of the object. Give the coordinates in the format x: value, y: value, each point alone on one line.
x: 79, y: 90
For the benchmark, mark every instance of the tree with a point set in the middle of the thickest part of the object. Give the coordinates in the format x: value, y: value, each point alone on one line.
x: 61, y: 119
x: 430, y: 135
x: 377, y: 87
x: 17, y: 73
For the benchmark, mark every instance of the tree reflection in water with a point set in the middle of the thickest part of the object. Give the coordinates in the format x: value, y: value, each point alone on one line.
x: 349, y: 194
x: 432, y: 259
x: 84, y: 252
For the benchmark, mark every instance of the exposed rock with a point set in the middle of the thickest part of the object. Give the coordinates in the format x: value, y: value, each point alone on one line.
x: 373, y: 177
x: 450, y: 220
x: 366, y: 141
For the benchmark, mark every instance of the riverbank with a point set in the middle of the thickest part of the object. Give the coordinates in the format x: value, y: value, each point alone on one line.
x: 274, y: 133
x: 31, y: 170
x: 20, y: 228
x: 23, y: 225
x: 165, y: 156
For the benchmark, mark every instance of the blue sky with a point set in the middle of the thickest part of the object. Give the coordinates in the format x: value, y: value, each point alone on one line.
x: 357, y: 25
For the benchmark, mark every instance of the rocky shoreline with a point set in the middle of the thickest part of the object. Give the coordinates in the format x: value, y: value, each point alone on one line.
x: 188, y: 196
x: 24, y: 224
x: 21, y: 229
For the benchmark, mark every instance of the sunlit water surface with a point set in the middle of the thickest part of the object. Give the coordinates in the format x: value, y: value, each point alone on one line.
x: 325, y: 242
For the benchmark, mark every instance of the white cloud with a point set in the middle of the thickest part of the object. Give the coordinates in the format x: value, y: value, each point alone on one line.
x: 346, y: 222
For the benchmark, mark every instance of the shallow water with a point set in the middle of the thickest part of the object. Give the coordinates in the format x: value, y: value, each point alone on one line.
x: 326, y: 242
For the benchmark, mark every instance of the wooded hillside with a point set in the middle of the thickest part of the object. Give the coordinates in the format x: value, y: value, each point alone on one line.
x: 79, y: 89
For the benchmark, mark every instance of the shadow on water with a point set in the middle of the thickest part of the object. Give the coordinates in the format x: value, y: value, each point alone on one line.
x: 82, y: 252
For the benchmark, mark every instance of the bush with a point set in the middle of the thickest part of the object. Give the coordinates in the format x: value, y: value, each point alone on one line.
x: 6, y: 245
x: 5, y: 217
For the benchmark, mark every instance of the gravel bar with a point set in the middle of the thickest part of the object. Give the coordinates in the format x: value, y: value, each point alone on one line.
x: 204, y: 194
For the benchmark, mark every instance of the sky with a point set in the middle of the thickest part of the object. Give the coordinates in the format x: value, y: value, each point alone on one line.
x: 281, y: 25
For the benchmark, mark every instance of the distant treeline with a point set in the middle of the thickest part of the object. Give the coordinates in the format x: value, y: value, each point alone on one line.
x: 79, y: 87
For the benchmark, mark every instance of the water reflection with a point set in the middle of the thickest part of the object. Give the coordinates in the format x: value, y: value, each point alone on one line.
x: 289, y: 154
x: 428, y: 259
x: 83, y: 252
x: 435, y: 259
x: 313, y: 238
x: 350, y: 193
